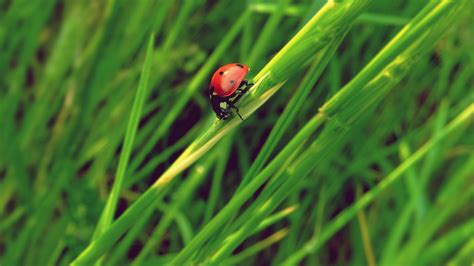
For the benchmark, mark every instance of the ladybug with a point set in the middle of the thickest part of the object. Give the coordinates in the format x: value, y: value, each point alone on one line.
x: 227, y: 86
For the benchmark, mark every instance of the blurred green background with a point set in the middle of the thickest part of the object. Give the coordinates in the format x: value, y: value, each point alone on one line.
x: 70, y: 73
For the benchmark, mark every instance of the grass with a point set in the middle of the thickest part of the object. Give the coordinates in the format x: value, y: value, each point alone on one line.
x: 355, y: 147
x: 111, y: 205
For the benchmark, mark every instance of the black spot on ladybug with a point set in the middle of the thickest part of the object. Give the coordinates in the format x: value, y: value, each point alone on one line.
x: 240, y: 65
x: 232, y: 81
x: 221, y: 73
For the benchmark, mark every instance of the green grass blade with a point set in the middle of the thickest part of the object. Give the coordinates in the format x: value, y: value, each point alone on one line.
x: 111, y: 205
x: 347, y: 215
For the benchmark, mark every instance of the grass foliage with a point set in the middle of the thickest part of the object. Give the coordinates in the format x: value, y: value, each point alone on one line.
x: 356, y: 146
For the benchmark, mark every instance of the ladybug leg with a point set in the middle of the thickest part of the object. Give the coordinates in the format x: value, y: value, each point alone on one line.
x: 223, y: 115
x: 216, y: 101
x: 244, y: 86
x: 231, y: 104
x: 237, y: 96
x: 240, y: 91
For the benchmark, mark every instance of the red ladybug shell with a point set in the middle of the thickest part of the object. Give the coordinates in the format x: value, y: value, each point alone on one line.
x: 227, y: 78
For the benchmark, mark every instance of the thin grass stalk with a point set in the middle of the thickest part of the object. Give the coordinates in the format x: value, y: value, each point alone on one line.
x: 104, y: 242
x: 256, y: 248
x: 349, y: 213
x: 401, y: 41
x: 448, y: 196
x: 395, y: 238
x: 132, y: 128
x: 365, y: 234
x: 182, y: 195
x: 238, y: 237
x: 222, y: 240
x: 447, y: 244
x: 414, y: 186
x: 265, y: 35
x: 464, y: 255
x: 239, y: 198
x: 120, y: 251
x: 217, y: 176
x: 291, y: 110
x: 267, y: 222
x: 300, y: 10
x: 428, y: 164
